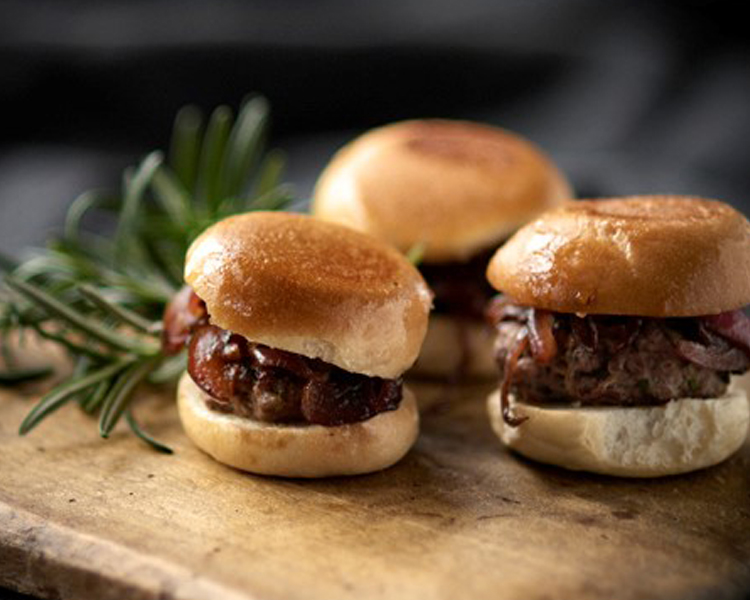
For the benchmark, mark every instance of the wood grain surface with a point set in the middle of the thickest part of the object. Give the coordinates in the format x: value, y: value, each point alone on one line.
x: 460, y: 517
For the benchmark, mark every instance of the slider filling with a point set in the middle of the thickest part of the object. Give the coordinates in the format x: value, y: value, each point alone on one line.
x: 461, y: 288
x: 267, y: 384
x: 595, y: 360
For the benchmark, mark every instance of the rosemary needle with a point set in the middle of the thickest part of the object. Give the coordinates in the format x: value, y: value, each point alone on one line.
x: 116, y: 400
x: 61, y: 394
x: 67, y: 315
x: 128, y: 317
x: 16, y: 375
x: 185, y: 144
x: 73, y: 347
x: 94, y: 400
x: 156, y: 445
x: 243, y: 147
x: 212, y: 158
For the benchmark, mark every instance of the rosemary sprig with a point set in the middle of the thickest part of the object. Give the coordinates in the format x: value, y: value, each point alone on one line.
x: 99, y: 291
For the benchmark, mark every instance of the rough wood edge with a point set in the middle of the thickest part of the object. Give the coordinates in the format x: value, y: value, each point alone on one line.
x: 52, y: 561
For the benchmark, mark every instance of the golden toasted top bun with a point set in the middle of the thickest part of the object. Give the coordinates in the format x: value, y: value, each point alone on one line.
x: 317, y: 289
x: 298, y: 450
x: 455, y: 186
x: 656, y: 256
x: 644, y: 441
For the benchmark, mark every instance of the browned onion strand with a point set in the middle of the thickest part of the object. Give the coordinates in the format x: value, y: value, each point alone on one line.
x: 495, y: 311
x: 541, y: 336
x: 501, y: 308
x: 520, y: 344
x: 712, y: 356
x: 732, y: 325
x: 712, y: 350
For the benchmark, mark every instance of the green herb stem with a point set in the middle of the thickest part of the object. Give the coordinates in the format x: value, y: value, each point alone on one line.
x: 88, y: 326
x: 60, y: 395
x: 126, y: 316
x: 118, y: 397
x: 138, y: 431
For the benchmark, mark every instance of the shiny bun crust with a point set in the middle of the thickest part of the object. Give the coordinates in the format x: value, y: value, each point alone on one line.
x: 678, y: 437
x: 458, y: 187
x: 447, y: 340
x: 298, y: 450
x: 317, y: 289
x: 656, y: 256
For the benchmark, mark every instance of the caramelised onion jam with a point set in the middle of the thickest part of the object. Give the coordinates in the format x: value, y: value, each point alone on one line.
x: 267, y: 384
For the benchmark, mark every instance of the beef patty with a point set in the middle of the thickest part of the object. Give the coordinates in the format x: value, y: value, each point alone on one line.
x: 548, y: 357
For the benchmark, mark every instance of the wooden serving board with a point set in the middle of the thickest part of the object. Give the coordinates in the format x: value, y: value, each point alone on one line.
x: 460, y: 517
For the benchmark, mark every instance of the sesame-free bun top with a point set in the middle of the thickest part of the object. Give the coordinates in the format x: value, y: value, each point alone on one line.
x: 655, y: 256
x: 318, y: 289
x: 456, y: 187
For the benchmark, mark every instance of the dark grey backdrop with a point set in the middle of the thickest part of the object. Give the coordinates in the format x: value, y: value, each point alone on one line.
x: 629, y: 97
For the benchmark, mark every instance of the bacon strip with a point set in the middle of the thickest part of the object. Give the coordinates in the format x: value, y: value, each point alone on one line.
x: 520, y: 344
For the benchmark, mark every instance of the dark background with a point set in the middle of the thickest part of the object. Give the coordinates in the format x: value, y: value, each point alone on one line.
x: 628, y: 97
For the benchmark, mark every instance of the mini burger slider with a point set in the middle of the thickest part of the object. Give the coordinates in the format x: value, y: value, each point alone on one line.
x: 298, y: 332
x: 456, y: 190
x: 619, y: 328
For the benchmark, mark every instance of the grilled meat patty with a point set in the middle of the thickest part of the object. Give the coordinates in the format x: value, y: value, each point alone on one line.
x: 267, y: 384
x: 548, y: 357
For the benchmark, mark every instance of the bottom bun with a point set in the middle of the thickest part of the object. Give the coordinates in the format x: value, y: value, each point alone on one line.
x: 298, y: 450
x: 677, y: 437
x: 457, y: 348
